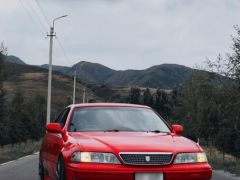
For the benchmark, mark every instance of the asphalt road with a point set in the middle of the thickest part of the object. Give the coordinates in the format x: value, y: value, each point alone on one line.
x: 26, y: 168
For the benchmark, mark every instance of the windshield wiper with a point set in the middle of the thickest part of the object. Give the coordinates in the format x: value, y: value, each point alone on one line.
x: 156, y: 131
x: 112, y: 130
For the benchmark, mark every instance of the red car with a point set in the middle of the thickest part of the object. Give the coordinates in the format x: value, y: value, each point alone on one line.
x: 118, y: 142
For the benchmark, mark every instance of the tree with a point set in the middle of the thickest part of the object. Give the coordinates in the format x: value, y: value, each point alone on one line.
x: 18, y: 115
x: 234, y: 58
x: 228, y: 100
x: 36, y: 118
x: 4, y: 138
x: 3, y: 52
x: 237, y: 145
x: 91, y: 101
x: 161, y: 103
x: 147, y: 98
x: 228, y: 66
x: 199, y: 106
x: 134, y: 96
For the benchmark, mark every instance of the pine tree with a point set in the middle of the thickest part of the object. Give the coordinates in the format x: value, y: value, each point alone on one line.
x: 161, y: 104
x: 134, y: 96
x: 147, y: 98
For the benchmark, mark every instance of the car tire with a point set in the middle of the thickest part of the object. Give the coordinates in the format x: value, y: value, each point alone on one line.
x: 40, y: 169
x: 60, y: 170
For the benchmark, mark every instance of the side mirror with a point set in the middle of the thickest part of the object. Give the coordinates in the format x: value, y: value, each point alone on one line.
x: 178, y: 129
x: 54, y: 128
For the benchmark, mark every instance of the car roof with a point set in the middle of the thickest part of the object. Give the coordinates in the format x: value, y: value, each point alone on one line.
x: 108, y: 105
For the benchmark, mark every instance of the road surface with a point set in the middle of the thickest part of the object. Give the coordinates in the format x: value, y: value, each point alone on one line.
x: 26, y: 168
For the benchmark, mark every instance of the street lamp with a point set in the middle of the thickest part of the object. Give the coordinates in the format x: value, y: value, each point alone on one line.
x: 58, y: 18
x: 51, y: 35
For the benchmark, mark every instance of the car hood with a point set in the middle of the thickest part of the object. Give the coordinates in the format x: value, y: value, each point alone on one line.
x: 133, y: 142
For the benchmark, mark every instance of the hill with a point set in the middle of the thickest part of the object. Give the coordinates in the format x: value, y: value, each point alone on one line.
x: 62, y: 69
x: 166, y: 76
x: 13, y: 60
x: 32, y: 80
x: 92, y: 72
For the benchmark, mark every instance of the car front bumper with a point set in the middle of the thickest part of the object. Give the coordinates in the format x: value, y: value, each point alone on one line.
x: 84, y: 171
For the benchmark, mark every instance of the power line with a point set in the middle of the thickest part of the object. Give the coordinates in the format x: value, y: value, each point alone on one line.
x: 36, y: 15
x: 42, y: 11
x: 63, y: 50
x: 31, y: 17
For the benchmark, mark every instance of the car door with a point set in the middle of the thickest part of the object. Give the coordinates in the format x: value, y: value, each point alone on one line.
x: 46, y: 149
x: 56, y: 142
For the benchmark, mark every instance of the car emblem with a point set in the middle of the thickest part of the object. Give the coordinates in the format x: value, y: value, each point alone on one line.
x: 147, y: 158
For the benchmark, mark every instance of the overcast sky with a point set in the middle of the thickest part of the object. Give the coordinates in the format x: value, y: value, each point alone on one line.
x: 121, y: 34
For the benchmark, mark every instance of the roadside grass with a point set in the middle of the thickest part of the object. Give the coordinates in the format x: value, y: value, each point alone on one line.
x: 223, y: 162
x: 9, y: 152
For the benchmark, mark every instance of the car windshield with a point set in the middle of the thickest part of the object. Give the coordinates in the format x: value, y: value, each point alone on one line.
x: 90, y: 119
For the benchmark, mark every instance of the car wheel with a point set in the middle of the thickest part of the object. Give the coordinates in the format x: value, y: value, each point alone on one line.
x: 60, y: 170
x: 40, y: 169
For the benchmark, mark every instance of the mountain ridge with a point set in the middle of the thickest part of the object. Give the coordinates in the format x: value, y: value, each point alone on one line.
x: 158, y: 76
x: 166, y: 76
x: 13, y: 60
x: 62, y: 69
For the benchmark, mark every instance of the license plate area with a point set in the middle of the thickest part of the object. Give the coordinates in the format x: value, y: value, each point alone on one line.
x: 149, y: 176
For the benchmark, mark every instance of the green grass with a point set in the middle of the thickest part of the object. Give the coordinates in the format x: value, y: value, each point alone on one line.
x: 217, y: 161
x: 9, y: 152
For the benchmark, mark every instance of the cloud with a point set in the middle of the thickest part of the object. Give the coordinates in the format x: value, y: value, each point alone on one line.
x: 122, y: 34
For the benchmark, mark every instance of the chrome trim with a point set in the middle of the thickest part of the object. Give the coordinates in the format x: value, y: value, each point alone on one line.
x: 145, y: 153
x: 150, y: 153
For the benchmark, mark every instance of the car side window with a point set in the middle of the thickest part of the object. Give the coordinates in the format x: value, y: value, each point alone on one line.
x: 59, y: 117
x: 62, y: 118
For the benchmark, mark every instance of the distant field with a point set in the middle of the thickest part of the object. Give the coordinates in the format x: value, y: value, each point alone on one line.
x: 33, y: 80
x: 36, y: 83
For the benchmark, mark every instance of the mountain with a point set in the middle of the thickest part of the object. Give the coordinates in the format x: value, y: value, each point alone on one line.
x: 62, y: 69
x: 13, y: 60
x: 92, y: 72
x: 165, y: 76
x: 160, y: 76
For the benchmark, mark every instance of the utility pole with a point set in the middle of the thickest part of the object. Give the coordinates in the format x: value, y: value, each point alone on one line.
x: 84, y: 94
x: 74, y: 86
x: 51, y: 35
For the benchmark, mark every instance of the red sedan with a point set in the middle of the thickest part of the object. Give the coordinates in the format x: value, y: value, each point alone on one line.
x: 118, y: 142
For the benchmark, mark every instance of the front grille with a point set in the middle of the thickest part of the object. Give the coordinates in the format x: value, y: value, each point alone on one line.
x: 146, y: 158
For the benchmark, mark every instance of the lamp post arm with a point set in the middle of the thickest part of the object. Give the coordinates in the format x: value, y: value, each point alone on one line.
x: 57, y: 19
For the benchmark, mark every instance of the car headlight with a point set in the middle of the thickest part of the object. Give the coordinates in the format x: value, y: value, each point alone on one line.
x: 190, y: 158
x: 94, y: 157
